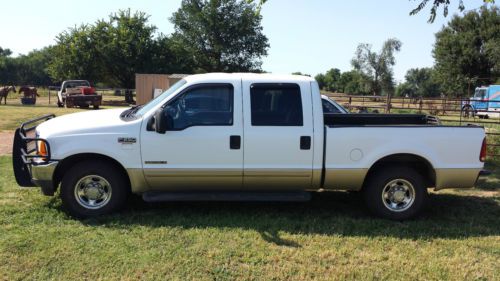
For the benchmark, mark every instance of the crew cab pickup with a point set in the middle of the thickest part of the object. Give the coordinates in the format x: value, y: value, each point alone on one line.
x: 250, y: 137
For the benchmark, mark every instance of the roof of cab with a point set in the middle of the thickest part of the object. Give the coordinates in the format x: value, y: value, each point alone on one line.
x: 260, y: 77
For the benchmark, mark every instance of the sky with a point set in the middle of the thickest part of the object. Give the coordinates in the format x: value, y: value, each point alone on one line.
x: 310, y: 36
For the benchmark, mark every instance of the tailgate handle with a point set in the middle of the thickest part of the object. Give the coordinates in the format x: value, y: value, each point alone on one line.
x: 234, y: 142
x: 305, y: 142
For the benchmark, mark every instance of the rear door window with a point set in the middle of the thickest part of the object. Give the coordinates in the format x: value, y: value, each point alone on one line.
x: 276, y: 105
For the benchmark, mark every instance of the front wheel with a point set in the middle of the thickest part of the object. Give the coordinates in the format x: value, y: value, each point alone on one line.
x: 396, y: 193
x: 93, y: 188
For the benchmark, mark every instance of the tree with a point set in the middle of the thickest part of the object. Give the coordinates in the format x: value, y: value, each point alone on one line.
x: 31, y: 69
x: 466, y: 51
x: 111, y: 51
x: 5, y: 52
x: 220, y: 35
x: 125, y: 46
x: 353, y: 83
x: 300, y: 73
x: 377, y: 67
x: 75, y: 56
x: 444, y: 4
x: 330, y: 80
x: 420, y: 82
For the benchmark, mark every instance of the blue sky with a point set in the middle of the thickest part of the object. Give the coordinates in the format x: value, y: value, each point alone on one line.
x: 309, y: 36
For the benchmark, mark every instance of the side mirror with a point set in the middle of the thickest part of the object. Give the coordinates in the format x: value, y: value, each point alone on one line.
x: 158, y: 122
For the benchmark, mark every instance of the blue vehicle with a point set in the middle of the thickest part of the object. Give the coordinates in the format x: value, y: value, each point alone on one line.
x: 485, y: 103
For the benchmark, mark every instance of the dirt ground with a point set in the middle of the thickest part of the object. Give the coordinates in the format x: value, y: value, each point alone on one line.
x: 6, y: 139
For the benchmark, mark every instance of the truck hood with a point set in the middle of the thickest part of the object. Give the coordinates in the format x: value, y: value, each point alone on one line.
x: 82, y: 123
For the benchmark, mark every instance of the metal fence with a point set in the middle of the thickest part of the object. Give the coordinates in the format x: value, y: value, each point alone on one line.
x: 452, y: 111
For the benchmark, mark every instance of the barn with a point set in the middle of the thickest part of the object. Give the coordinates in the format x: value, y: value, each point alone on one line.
x: 149, y: 85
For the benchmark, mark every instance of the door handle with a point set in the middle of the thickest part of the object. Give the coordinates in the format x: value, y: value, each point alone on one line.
x: 305, y: 142
x: 234, y: 142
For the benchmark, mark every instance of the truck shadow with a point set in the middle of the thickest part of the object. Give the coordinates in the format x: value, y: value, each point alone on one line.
x: 335, y: 213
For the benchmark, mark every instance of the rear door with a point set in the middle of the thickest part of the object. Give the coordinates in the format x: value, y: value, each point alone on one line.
x: 278, y: 132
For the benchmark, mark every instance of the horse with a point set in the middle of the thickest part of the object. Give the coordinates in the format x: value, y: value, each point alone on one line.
x: 29, y: 92
x: 4, y: 92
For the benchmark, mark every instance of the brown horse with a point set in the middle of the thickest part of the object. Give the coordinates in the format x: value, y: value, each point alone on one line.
x: 29, y: 92
x: 4, y: 92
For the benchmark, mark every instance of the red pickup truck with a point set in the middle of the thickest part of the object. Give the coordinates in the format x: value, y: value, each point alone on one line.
x: 78, y: 93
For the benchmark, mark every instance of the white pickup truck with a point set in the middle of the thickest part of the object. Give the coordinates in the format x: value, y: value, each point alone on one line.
x: 249, y: 137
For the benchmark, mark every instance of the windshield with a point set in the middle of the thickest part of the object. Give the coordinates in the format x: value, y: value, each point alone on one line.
x: 148, y: 106
x: 480, y: 93
x: 74, y: 84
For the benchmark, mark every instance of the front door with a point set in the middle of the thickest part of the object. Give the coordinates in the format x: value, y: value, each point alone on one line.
x: 202, y: 148
x: 278, y: 136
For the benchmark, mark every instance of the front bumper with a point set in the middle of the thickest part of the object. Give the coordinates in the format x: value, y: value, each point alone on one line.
x: 43, y: 176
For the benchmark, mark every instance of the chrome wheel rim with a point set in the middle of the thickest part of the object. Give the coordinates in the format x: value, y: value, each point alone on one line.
x: 398, y: 195
x: 93, y: 192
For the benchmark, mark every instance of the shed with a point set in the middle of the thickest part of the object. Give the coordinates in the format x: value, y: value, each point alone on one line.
x: 146, y: 84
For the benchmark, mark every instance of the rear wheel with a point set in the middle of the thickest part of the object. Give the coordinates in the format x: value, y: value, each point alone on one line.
x: 395, y: 193
x: 93, y: 188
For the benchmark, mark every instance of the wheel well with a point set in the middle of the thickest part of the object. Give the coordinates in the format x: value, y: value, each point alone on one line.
x: 420, y: 164
x: 65, y: 164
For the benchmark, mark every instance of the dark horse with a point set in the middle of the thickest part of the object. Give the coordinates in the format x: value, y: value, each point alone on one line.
x: 4, y: 92
x: 29, y: 92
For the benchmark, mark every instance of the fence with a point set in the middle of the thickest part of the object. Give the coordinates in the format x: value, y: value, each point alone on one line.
x: 452, y: 111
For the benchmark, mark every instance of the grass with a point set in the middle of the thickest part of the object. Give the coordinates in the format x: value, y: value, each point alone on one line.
x: 328, y: 238
x: 331, y: 237
x: 14, y: 114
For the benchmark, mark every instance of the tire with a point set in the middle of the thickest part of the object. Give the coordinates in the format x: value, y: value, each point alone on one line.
x: 93, y: 188
x: 96, y: 106
x: 395, y: 193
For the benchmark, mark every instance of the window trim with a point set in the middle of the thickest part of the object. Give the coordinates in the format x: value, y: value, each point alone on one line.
x: 203, y: 85
x: 279, y: 86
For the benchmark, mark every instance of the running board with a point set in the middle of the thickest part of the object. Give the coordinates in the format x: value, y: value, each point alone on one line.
x: 154, y: 196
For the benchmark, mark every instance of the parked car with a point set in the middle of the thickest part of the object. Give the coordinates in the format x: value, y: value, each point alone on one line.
x: 485, y: 103
x: 250, y: 137
x: 78, y: 93
x: 331, y: 106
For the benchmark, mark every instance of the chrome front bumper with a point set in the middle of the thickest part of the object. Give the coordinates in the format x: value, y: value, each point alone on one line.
x: 43, y: 176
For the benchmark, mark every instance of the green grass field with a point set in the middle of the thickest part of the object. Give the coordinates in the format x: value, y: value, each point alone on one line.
x: 329, y: 238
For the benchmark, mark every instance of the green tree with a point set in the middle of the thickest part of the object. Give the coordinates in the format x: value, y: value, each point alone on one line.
x: 300, y: 73
x: 220, y: 35
x: 31, y: 69
x: 422, y: 82
x: 112, y: 51
x: 377, y: 67
x: 125, y: 45
x: 436, y: 4
x: 5, y: 52
x: 75, y: 56
x: 353, y: 83
x: 466, y: 51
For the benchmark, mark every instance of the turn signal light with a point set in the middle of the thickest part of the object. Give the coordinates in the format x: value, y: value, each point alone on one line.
x: 41, y: 148
x: 482, y: 155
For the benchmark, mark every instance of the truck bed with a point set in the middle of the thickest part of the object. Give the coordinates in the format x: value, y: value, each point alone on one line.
x: 336, y: 119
